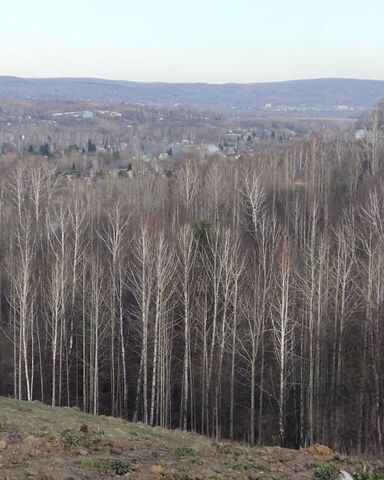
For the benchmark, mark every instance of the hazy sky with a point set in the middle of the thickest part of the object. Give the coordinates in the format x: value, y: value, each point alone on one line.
x: 195, y: 40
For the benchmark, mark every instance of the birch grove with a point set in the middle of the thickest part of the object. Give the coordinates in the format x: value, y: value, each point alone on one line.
x: 239, y: 300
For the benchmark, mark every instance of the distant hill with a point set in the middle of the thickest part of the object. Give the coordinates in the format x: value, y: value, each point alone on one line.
x: 324, y: 94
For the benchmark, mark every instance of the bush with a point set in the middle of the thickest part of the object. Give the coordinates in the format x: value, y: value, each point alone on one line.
x: 365, y: 475
x: 327, y: 471
x: 69, y: 440
x: 122, y: 468
x: 185, y: 452
x: 336, y: 457
x: 98, y: 465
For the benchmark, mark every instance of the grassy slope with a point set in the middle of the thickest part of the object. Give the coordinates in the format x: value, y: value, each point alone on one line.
x: 33, y: 437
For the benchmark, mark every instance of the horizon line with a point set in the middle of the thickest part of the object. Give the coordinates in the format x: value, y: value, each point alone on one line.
x: 308, y: 79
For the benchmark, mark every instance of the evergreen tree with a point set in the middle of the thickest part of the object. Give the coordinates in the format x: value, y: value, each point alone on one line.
x: 44, y: 150
x: 91, y: 147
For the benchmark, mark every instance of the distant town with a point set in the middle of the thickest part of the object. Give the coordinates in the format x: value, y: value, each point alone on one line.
x: 96, y: 139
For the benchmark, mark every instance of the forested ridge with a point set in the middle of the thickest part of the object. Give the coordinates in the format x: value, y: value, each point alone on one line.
x: 326, y: 93
x: 236, y: 299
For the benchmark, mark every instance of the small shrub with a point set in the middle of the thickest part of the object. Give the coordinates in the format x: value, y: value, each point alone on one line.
x: 327, y: 471
x: 185, y: 452
x: 46, y: 435
x: 362, y: 475
x: 243, y: 466
x: 336, y: 457
x: 89, y: 463
x: 122, y: 468
x: 365, y: 475
x: 69, y: 440
x: 98, y: 465
x: 94, y: 439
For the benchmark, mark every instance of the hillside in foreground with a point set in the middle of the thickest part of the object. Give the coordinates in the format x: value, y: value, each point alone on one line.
x: 41, y: 442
